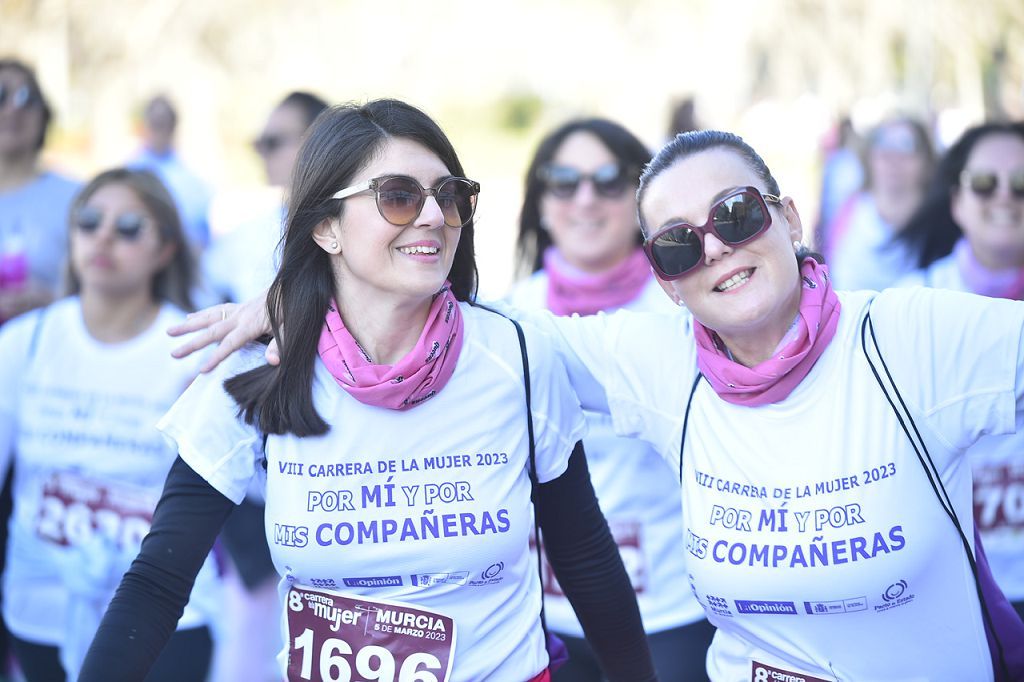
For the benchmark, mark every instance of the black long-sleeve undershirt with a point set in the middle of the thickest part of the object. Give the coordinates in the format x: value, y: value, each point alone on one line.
x: 190, y: 514
x: 590, y: 571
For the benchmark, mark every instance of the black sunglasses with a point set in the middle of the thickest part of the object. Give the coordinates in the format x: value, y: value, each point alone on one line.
x: 128, y: 226
x: 678, y: 248
x: 20, y: 97
x: 401, y: 198
x: 270, y: 143
x: 985, y: 183
x: 610, y: 180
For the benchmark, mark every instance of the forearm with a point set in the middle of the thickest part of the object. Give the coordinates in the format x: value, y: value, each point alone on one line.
x: 589, y: 569
x: 153, y: 593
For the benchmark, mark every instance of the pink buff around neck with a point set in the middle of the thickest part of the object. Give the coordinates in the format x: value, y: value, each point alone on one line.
x: 572, y: 291
x: 774, y: 379
x: 417, y: 377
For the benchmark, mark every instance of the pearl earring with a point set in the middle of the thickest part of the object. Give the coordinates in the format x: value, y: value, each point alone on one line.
x: 797, y: 245
x: 334, y: 246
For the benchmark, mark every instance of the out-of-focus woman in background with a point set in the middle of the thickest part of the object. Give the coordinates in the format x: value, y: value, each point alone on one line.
x: 85, y: 380
x: 33, y: 201
x: 975, y: 217
x: 859, y: 241
x: 578, y: 230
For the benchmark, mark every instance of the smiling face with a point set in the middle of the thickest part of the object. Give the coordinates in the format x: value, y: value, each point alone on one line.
x: 749, y: 291
x: 107, y: 263
x: 591, y: 231
x: 993, y: 225
x: 380, y: 262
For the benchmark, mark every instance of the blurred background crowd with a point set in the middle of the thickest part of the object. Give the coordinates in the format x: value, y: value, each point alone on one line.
x: 860, y: 107
x: 799, y: 80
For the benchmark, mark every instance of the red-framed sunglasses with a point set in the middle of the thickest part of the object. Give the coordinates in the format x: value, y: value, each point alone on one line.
x: 676, y: 249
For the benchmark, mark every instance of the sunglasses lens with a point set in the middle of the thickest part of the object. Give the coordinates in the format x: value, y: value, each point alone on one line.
x: 399, y: 200
x: 457, y: 199
x: 18, y: 98
x: 739, y: 218
x: 129, y: 225
x: 21, y: 97
x: 1017, y: 185
x: 268, y: 143
x: 562, y: 181
x: 610, y: 181
x: 88, y: 219
x: 676, y: 250
x: 983, y: 184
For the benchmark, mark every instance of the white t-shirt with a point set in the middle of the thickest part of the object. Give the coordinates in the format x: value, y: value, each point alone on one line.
x: 639, y: 496
x: 78, y: 416
x: 817, y: 545
x: 428, y: 507
x: 998, y: 466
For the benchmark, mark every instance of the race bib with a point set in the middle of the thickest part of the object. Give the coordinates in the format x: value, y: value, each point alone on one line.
x: 337, y: 638
x: 999, y: 498
x: 761, y: 672
x: 73, y: 510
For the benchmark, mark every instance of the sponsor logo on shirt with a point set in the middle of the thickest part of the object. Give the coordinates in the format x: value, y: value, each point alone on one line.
x: 761, y: 672
x: 718, y: 605
x: 450, y: 578
x: 492, y: 571
x: 375, y: 581
x: 896, y: 594
x: 824, y: 608
x: 490, y: 575
x: 787, y: 608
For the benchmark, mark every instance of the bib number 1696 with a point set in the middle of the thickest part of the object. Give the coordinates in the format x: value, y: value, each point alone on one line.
x: 371, y: 662
x: 335, y: 637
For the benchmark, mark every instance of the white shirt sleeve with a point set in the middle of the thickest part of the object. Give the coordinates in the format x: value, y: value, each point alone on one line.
x: 632, y: 365
x: 15, y: 357
x: 210, y: 437
x: 956, y: 357
x: 578, y: 341
x: 558, y: 420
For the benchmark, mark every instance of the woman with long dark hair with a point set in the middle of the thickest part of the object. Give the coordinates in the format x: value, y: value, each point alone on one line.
x: 970, y: 234
x: 401, y: 443
x: 578, y: 230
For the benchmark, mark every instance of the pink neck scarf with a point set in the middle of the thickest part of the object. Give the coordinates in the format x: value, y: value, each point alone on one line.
x: 774, y: 379
x: 571, y: 290
x: 417, y: 377
x: 1008, y: 283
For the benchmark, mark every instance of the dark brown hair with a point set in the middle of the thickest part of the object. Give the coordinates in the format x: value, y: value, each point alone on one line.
x: 627, y: 149
x: 340, y: 143
x: 175, y: 281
